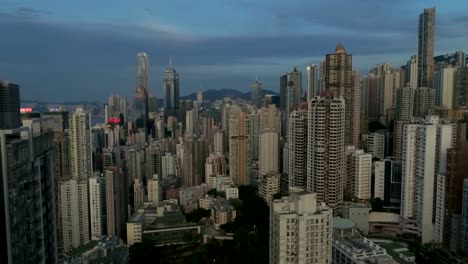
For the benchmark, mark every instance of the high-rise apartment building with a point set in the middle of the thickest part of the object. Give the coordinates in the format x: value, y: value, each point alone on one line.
x: 171, y: 92
x: 358, y: 173
x: 269, y: 153
x: 74, y: 203
x: 424, y: 100
x: 411, y: 73
x: 10, y: 102
x: 378, y: 144
x: 269, y: 185
x: 340, y: 80
x: 460, y: 96
x: 80, y: 145
x: 405, y: 103
x: 443, y: 85
x: 96, y: 208
x: 297, y: 165
x: 313, y: 88
x: 425, y: 57
x: 154, y: 192
x: 239, y: 148
x: 300, y: 230
x: 424, y: 153
x: 270, y: 119
x: 256, y: 94
x: 326, y: 149
x: 27, y: 206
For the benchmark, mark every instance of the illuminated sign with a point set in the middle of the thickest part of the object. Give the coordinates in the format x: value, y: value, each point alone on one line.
x: 114, y: 120
x: 25, y: 110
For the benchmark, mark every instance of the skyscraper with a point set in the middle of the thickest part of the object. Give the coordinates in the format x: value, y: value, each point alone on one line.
x: 326, y: 148
x: 140, y: 107
x: 290, y: 95
x: 118, y: 108
x: 239, y: 148
x: 269, y: 152
x: 443, y: 85
x: 80, y: 145
x: 342, y: 81
x: 297, y: 165
x: 411, y: 74
x: 424, y: 154
x: 256, y: 93
x: 171, y: 92
x: 460, y: 96
x: 424, y: 100
x: 312, y: 81
x: 426, y: 34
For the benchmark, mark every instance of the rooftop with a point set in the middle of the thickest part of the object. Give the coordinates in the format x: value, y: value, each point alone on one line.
x: 342, y: 223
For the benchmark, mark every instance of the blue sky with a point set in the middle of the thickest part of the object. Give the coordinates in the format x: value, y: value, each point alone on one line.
x: 86, y: 50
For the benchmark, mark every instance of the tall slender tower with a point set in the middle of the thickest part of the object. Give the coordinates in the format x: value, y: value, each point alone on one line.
x: 80, y: 145
x: 239, y: 152
x: 426, y: 34
x: 312, y: 81
x: 142, y: 87
x: 256, y: 93
x: 339, y: 81
x: 171, y: 91
x: 326, y: 148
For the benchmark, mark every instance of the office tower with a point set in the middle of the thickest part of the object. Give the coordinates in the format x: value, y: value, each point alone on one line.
x: 297, y: 165
x: 118, y: 108
x: 378, y: 144
x: 464, y: 218
x: 460, y: 96
x: 153, y: 190
x: 405, y: 103
x: 443, y: 85
x: 269, y: 185
x: 27, y: 207
x: 256, y: 93
x: 411, y: 74
x: 73, y: 196
x: 239, y: 148
x: 152, y: 104
x: 424, y: 99
x: 254, y: 135
x: 387, y: 182
x: 10, y: 102
x: 269, y: 153
x: 200, y: 96
x: 424, y: 155
x: 295, y: 223
x: 454, y: 177
x: 171, y: 92
x: 96, y: 209
x: 358, y: 173
x: 353, y: 119
x: 312, y: 81
x: 80, y: 145
x: 283, y: 92
x: 425, y: 57
x: 326, y: 149
x: 140, y: 104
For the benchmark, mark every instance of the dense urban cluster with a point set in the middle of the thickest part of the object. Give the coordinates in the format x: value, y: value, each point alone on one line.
x: 350, y: 169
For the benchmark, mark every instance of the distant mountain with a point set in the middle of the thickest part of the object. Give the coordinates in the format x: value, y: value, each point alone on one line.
x: 213, y: 95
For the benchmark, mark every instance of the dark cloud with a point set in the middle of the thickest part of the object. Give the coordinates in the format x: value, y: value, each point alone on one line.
x: 63, y: 61
x: 30, y: 12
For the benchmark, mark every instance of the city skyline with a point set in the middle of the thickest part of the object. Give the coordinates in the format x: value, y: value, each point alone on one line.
x: 77, y: 61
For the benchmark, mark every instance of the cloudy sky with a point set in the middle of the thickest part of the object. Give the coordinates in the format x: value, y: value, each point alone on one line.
x: 86, y: 50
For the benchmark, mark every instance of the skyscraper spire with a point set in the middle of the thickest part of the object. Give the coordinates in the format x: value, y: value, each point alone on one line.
x: 170, y: 61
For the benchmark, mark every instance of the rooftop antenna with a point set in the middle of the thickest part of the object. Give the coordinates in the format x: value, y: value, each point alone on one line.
x: 256, y: 77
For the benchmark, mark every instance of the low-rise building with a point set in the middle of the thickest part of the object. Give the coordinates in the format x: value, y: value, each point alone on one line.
x: 205, y: 202
x: 359, y: 250
x: 222, y: 212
